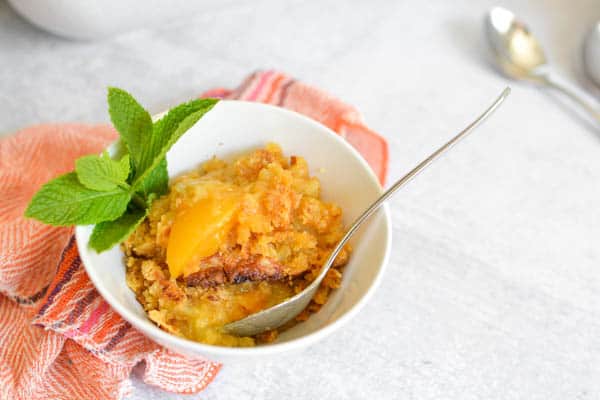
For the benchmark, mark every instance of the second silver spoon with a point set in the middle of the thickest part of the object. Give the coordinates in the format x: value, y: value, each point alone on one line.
x: 520, y: 56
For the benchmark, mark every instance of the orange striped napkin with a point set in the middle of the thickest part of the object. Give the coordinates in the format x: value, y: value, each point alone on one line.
x: 58, y: 338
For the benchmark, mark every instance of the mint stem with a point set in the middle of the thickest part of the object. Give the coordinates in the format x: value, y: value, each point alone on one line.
x: 139, y: 201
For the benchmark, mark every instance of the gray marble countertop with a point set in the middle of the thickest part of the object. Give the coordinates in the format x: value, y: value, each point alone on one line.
x: 493, y: 291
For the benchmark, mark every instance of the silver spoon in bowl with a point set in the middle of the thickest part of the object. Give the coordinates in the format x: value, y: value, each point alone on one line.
x: 520, y: 56
x: 274, y: 317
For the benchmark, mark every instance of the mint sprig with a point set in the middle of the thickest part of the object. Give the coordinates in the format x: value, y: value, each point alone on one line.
x: 116, y: 194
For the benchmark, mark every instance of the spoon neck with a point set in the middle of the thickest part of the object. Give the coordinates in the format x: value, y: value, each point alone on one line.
x: 577, y: 96
x: 542, y: 74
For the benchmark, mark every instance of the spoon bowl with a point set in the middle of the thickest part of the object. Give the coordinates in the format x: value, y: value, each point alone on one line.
x: 518, y: 53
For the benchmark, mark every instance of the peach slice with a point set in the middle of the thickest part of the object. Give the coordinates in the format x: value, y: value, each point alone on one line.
x: 199, y: 231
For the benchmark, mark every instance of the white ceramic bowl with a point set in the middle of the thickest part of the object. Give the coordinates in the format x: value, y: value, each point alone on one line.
x: 94, y: 19
x: 233, y: 127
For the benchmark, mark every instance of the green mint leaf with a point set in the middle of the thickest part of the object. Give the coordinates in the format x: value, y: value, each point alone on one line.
x: 106, y: 234
x: 102, y: 172
x: 65, y: 201
x: 166, y: 132
x: 164, y: 129
x: 157, y: 181
x: 131, y: 121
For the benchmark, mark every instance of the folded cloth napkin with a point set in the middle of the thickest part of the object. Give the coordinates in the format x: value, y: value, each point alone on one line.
x: 58, y: 338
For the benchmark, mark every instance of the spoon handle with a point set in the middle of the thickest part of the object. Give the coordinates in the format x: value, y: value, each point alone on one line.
x: 406, y: 178
x: 571, y: 93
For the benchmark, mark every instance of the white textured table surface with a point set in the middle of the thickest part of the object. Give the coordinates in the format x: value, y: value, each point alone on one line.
x: 493, y: 291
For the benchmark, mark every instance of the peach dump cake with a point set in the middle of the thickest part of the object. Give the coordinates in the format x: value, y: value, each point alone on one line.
x: 230, y: 239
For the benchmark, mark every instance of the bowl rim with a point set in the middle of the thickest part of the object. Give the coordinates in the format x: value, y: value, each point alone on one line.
x: 159, y: 336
